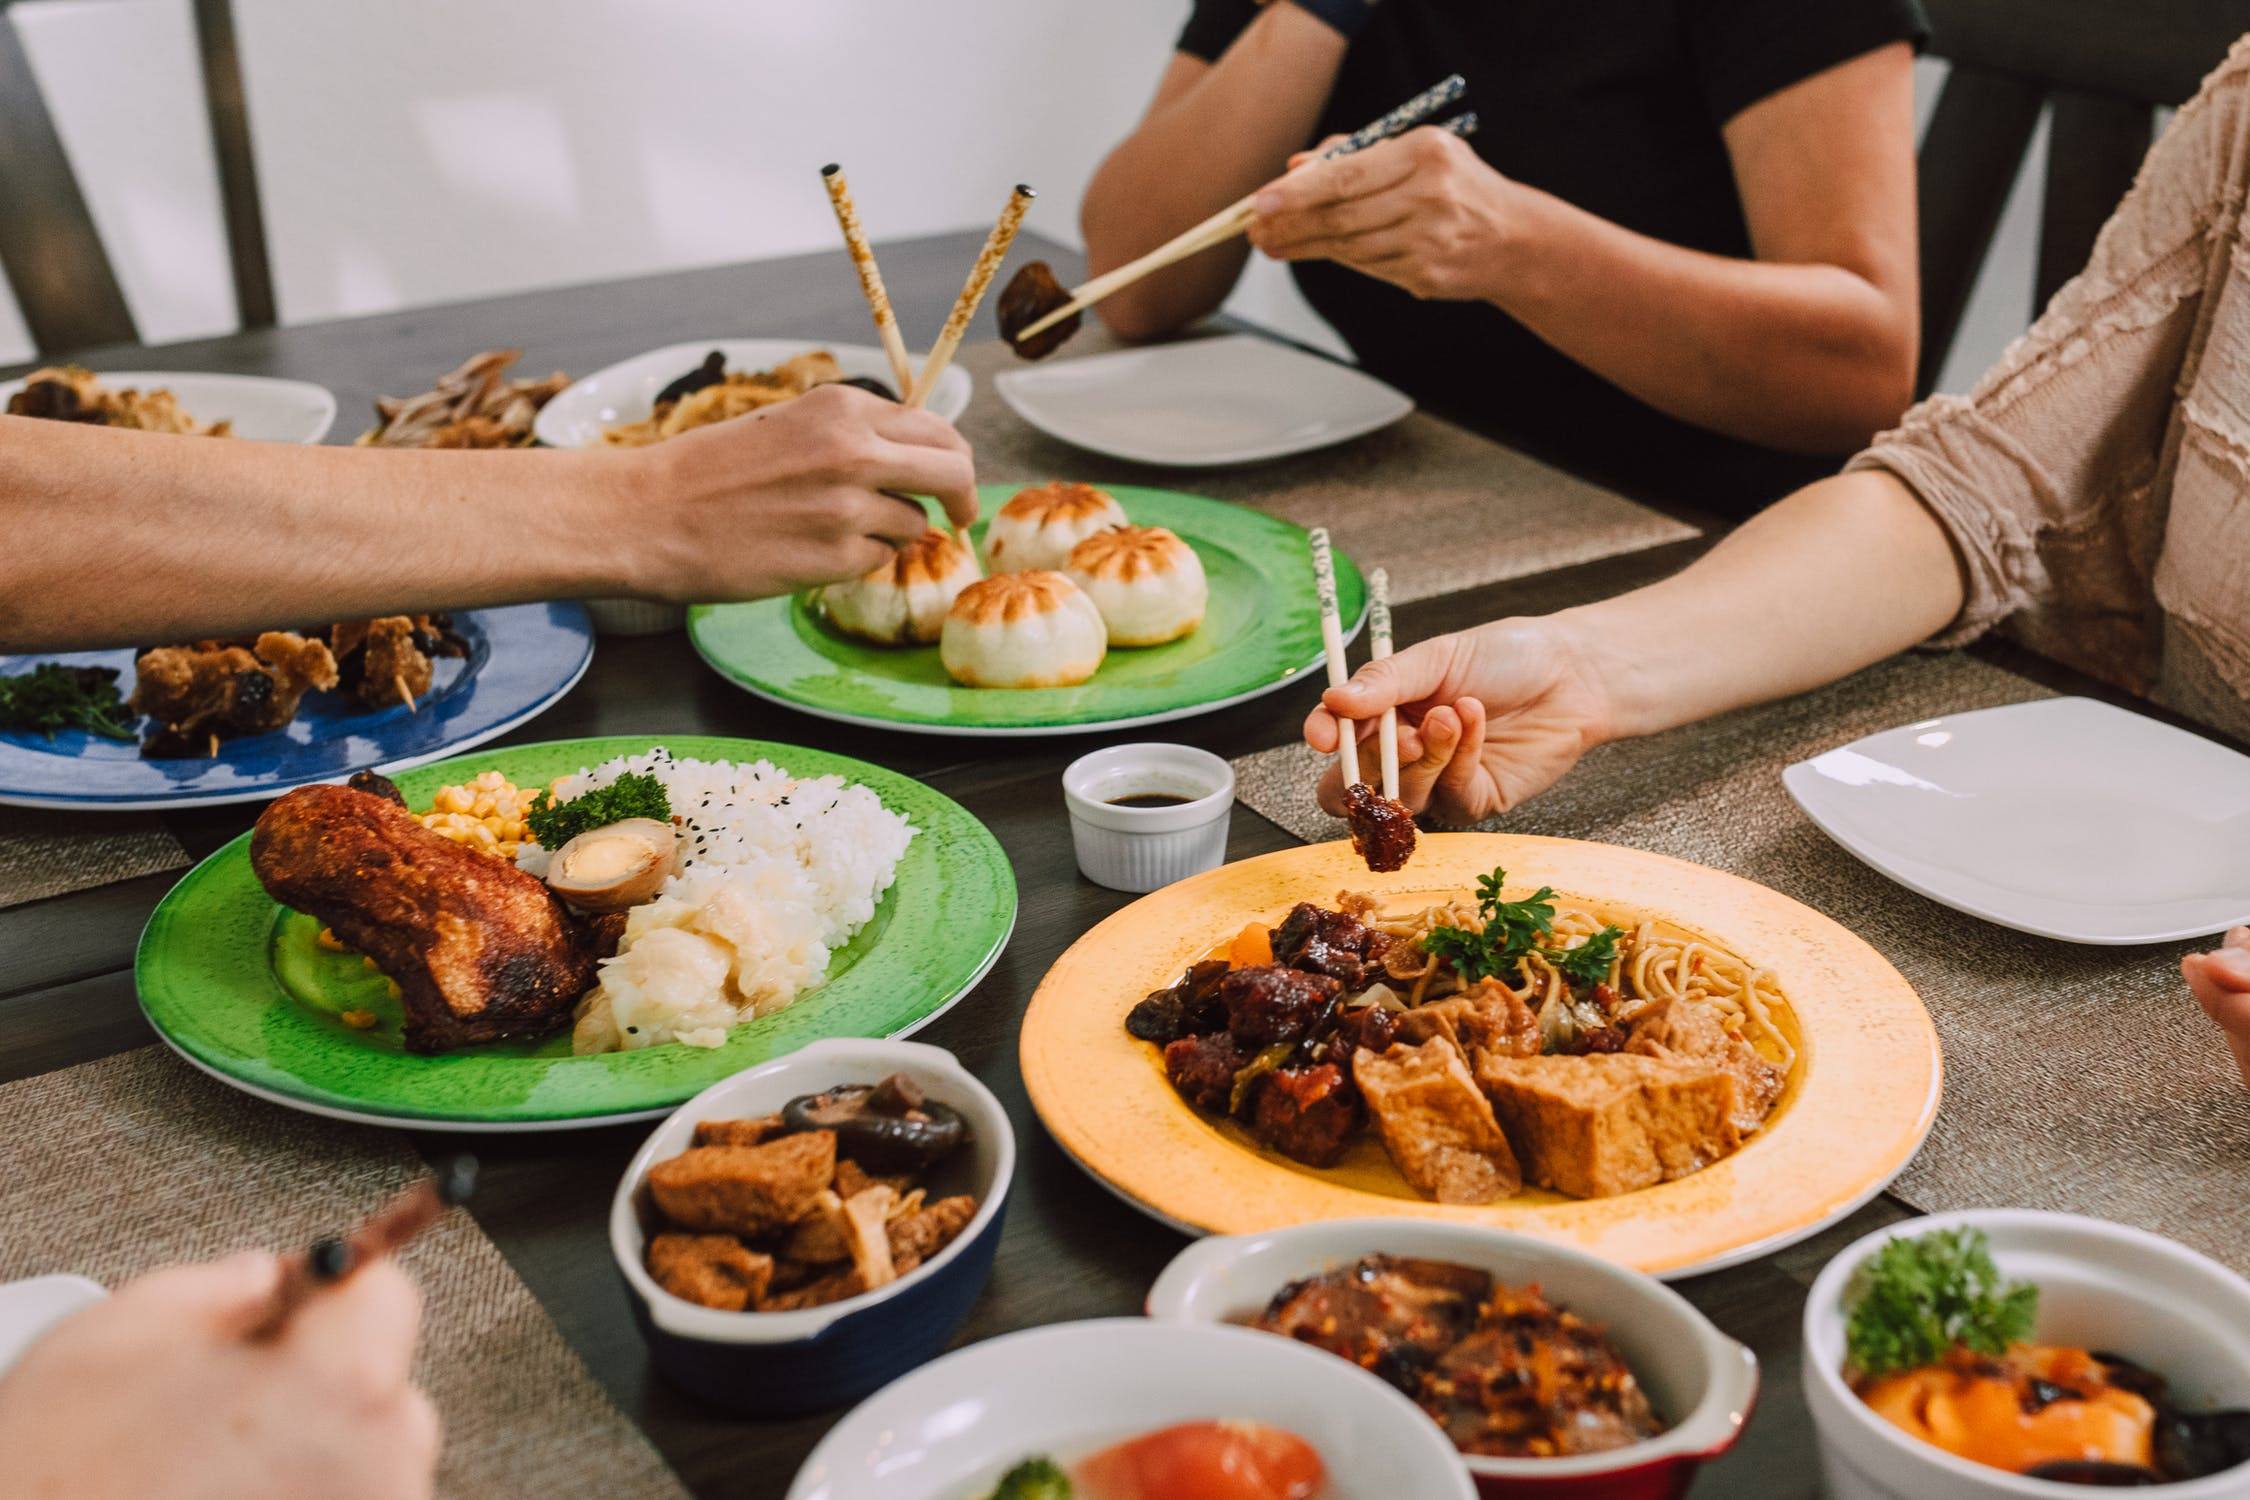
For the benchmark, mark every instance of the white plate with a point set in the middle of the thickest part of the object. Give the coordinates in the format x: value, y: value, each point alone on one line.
x: 2065, y: 818
x: 626, y: 391
x: 30, y: 1307
x: 1202, y: 404
x: 262, y: 408
x: 952, y: 1428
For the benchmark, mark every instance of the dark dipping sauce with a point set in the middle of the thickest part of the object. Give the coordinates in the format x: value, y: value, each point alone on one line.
x: 1150, y: 799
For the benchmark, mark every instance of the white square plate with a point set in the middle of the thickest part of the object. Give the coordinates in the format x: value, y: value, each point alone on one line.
x: 262, y: 408
x: 2065, y: 818
x: 1205, y: 403
x: 626, y: 391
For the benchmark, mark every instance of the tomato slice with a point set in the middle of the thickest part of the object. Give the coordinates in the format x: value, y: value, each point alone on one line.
x: 1205, y: 1461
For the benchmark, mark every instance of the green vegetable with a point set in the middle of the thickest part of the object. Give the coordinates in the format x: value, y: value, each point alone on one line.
x: 1033, y: 1479
x: 1918, y: 1298
x: 1588, y: 963
x: 52, y: 696
x: 1512, y: 932
x: 1250, y: 1072
x: 636, y: 794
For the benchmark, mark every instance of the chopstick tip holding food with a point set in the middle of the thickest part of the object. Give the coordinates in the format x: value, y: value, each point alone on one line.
x: 1382, y: 830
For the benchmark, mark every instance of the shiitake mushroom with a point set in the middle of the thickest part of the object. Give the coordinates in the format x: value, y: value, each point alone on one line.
x: 710, y: 372
x: 885, y: 1127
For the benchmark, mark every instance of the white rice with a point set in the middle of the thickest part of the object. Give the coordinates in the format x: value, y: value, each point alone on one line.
x: 776, y: 874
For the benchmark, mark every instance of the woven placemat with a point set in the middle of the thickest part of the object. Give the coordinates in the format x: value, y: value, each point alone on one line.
x: 51, y: 854
x: 2076, y: 1078
x: 1442, y: 508
x: 115, y: 1167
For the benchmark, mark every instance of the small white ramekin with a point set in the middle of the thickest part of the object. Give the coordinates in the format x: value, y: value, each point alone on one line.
x: 635, y: 616
x: 1142, y: 848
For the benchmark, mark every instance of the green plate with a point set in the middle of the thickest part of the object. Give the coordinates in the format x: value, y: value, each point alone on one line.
x: 1262, y: 632
x: 211, y: 962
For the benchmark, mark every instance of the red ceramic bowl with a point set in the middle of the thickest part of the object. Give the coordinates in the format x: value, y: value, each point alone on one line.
x: 1700, y: 1381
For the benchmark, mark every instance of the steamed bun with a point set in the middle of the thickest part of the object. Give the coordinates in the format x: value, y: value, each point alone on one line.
x: 1040, y: 525
x: 1023, y: 630
x: 904, y: 601
x: 1147, y: 583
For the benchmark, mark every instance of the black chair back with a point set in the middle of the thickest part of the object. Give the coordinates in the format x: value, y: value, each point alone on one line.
x: 2106, y: 66
x: 49, y: 248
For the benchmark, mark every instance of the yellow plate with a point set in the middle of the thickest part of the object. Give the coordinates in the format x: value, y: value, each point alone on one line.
x: 1860, y: 1102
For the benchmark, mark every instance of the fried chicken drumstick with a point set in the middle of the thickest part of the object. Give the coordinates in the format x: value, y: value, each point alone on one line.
x: 479, y: 949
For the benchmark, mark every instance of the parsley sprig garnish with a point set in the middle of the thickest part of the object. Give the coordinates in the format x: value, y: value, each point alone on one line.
x: 53, y: 697
x: 1919, y: 1297
x: 636, y: 794
x: 1512, y: 931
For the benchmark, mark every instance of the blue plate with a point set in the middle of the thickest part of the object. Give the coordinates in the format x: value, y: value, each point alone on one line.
x: 521, y: 659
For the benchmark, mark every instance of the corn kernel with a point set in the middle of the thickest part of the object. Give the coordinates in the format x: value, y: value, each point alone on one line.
x: 330, y: 941
x: 357, y: 1020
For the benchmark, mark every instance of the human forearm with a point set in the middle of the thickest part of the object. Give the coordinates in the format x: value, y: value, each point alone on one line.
x: 1838, y: 576
x: 1215, y: 132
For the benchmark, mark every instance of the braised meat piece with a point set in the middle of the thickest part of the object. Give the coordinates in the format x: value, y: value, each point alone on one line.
x: 1320, y: 941
x: 1188, y: 1008
x: 1270, y: 1004
x: 1393, y: 1315
x: 753, y: 1191
x: 1202, y: 1068
x: 716, y: 1270
x: 1307, y: 1114
x: 209, y: 691
x: 1031, y: 294
x: 1382, y: 830
x: 480, y: 950
x: 1533, y: 1381
x: 1356, y: 1028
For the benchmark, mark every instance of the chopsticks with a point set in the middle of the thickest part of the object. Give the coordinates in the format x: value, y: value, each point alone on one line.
x: 1379, y: 647
x: 329, y: 1261
x: 972, y: 292
x: 1235, y: 218
x: 870, y: 277
x: 1332, y: 641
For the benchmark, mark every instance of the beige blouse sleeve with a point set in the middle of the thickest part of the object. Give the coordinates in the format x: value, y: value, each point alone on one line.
x: 2047, y: 475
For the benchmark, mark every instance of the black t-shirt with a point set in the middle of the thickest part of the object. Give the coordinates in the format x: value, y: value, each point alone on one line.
x: 1612, y: 105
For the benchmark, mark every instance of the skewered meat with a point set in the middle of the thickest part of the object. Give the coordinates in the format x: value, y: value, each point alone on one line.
x: 1030, y: 295
x: 1307, y: 1114
x: 480, y: 950
x: 392, y: 659
x: 1320, y: 941
x: 1393, y: 1315
x: 1270, y: 1004
x: 211, y: 690
x: 1382, y: 830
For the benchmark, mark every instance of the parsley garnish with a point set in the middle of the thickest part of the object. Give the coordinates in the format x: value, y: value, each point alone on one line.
x: 1512, y: 932
x: 52, y: 697
x: 1917, y: 1298
x: 636, y: 794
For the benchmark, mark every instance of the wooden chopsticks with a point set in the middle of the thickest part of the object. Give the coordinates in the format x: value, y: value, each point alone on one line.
x: 870, y: 277
x: 1332, y: 642
x: 972, y: 292
x: 1235, y: 217
x: 1379, y: 647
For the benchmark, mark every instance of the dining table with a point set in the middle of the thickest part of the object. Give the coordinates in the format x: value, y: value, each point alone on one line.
x: 1071, y: 1250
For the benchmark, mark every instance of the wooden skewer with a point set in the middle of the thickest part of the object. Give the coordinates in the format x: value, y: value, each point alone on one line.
x: 870, y: 278
x: 405, y: 693
x: 1236, y: 216
x: 1379, y: 647
x: 1332, y: 641
x: 329, y: 1261
x: 972, y: 293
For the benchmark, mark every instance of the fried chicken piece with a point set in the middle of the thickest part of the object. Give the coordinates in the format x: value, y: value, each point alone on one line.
x: 753, y: 1191
x: 480, y: 950
x: 716, y: 1270
x: 212, y: 690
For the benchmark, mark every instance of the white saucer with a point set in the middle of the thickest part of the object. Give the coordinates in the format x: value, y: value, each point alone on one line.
x: 2065, y: 818
x: 626, y: 391
x: 1205, y: 403
x: 30, y: 1307
x: 262, y: 408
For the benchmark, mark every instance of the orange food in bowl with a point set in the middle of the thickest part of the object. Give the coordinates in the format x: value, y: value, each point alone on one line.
x: 1205, y: 1461
x: 2033, y: 1406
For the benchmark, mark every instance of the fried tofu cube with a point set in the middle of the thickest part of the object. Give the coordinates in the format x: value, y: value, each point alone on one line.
x: 1692, y: 1031
x: 754, y: 1191
x: 918, y: 1235
x: 1488, y: 1017
x: 1610, y: 1123
x: 753, y: 1132
x: 1435, y: 1123
x: 715, y: 1270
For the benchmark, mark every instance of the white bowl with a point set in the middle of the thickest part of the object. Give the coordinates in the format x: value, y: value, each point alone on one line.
x: 779, y: 1362
x: 28, y: 1308
x: 2101, y: 1286
x: 262, y: 408
x: 626, y: 391
x: 1142, y: 848
x: 1700, y: 1381
x: 953, y: 1427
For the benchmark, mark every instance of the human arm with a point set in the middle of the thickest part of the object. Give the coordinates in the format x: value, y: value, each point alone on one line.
x: 1841, y: 574
x: 1214, y: 132
x: 1809, y: 345
x: 120, y: 538
x: 161, y: 1391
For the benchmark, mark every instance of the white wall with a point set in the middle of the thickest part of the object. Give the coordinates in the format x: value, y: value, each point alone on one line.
x: 422, y: 151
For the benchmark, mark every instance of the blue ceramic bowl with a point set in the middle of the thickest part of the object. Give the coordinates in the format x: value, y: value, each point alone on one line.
x: 788, y: 1363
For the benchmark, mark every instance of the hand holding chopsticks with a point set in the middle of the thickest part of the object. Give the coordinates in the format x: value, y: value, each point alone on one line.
x: 329, y: 1261
x: 1382, y: 829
